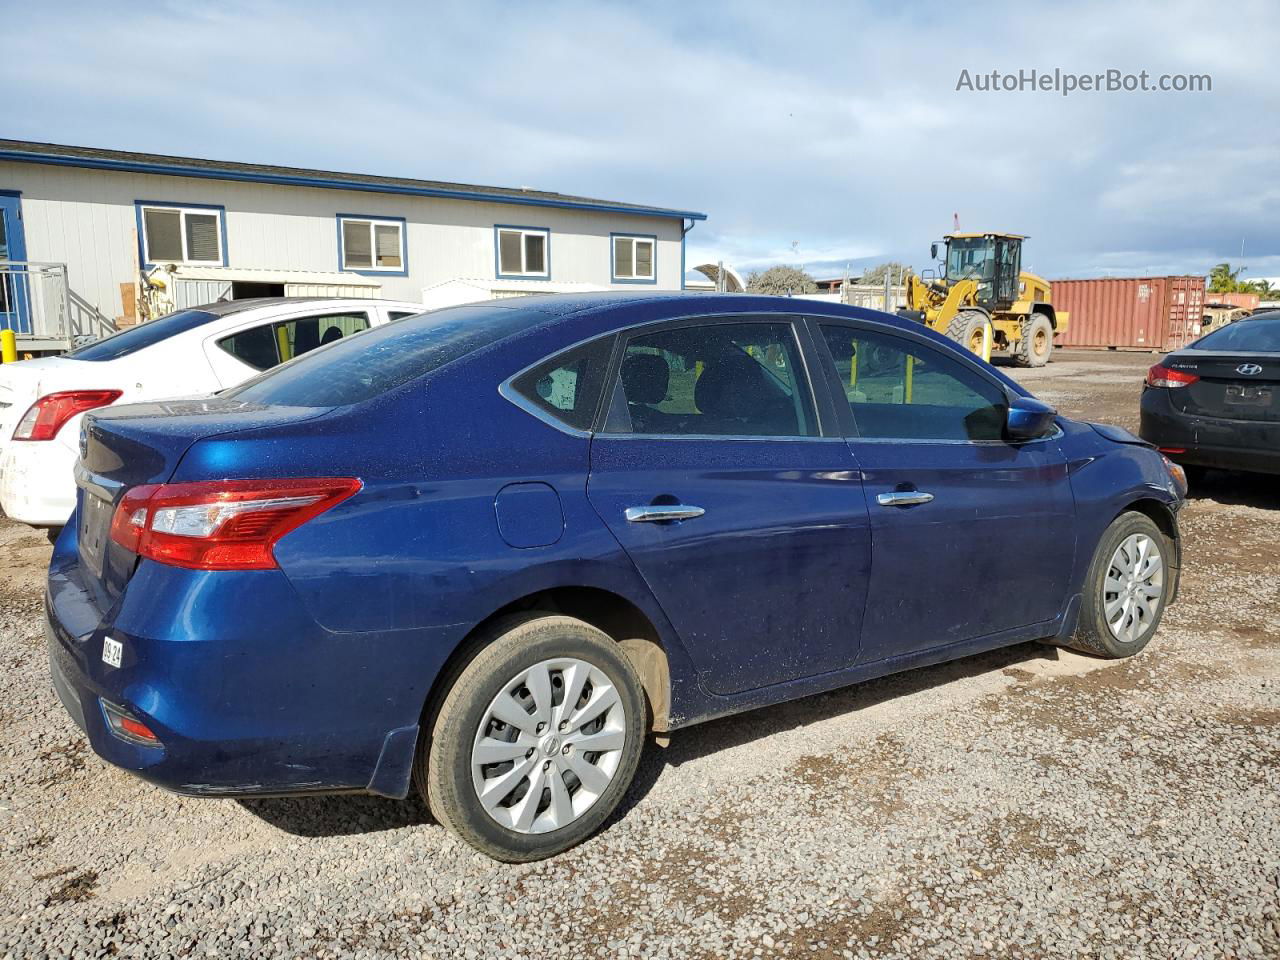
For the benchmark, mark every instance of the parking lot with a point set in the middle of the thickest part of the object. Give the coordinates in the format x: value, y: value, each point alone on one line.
x: 1024, y: 803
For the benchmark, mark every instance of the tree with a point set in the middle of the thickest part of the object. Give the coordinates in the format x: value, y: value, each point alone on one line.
x: 1222, y: 279
x: 781, y: 281
x: 893, y: 268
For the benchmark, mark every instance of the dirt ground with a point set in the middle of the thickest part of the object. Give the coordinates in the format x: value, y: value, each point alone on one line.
x: 1023, y: 803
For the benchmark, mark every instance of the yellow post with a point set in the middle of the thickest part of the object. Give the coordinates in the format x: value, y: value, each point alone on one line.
x: 911, y: 369
x: 282, y: 338
x: 853, y: 369
x: 8, y: 346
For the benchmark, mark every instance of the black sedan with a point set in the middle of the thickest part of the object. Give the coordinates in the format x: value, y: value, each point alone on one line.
x: 1216, y: 403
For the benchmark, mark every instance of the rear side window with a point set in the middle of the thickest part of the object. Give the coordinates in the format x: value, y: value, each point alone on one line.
x: 144, y: 335
x: 356, y: 368
x: 265, y: 346
x: 566, y: 387
x: 901, y: 390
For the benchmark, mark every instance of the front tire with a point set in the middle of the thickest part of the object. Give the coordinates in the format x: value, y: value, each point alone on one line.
x: 1126, y: 588
x: 537, y: 740
x: 972, y: 330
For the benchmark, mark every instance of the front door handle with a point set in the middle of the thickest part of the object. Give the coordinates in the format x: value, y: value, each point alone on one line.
x: 657, y: 513
x: 903, y: 498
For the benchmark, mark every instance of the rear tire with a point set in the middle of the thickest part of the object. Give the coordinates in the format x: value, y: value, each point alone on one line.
x: 510, y: 768
x: 1126, y: 588
x: 972, y: 330
x: 1036, y: 346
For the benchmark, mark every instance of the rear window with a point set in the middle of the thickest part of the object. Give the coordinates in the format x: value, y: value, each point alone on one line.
x: 1261, y: 334
x: 356, y: 369
x: 144, y: 335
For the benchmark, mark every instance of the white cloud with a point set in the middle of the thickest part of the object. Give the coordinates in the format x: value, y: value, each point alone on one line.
x: 834, y: 126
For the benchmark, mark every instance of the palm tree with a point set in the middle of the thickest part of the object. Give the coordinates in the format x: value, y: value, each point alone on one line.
x: 1222, y: 279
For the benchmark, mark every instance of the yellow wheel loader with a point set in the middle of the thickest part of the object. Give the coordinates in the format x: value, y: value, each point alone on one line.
x: 985, y: 301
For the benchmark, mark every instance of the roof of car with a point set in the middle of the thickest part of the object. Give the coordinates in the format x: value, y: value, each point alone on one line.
x: 224, y: 308
x: 128, y: 161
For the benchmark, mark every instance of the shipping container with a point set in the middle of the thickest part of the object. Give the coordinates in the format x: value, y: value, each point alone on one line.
x: 1130, y: 313
x: 1249, y: 301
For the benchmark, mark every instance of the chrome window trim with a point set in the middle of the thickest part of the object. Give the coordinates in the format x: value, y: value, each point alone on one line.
x: 512, y: 395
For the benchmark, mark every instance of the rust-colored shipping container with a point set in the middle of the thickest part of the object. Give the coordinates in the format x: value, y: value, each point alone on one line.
x: 1249, y: 301
x: 1128, y: 313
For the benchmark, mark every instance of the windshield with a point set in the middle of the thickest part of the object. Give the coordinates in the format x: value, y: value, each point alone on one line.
x: 354, y: 369
x: 970, y: 257
x: 1259, y: 334
x: 144, y: 335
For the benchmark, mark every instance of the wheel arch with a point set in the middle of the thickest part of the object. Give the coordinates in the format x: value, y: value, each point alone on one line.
x: 610, y: 612
x: 1039, y: 306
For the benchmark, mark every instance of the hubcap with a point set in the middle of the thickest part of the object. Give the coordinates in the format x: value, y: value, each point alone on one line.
x: 1040, y: 343
x: 1134, y: 588
x: 548, y: 745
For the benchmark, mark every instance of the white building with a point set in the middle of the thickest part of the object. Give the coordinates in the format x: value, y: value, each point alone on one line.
x: 104, y: 219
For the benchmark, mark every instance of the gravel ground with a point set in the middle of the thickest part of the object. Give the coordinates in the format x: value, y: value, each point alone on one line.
x: 1024, y: 803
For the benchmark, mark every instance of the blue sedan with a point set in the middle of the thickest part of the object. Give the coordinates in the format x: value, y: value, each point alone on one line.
x: 484, y: 550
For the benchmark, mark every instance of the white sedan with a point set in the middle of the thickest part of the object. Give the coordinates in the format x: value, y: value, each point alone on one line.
x: 191, y: 352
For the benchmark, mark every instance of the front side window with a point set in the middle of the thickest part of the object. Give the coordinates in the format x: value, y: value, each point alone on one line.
x: 523, y: 251
x: 272, y: 343
x: 182, y: 235
x: 902, y: 390
x: 566, y: 387
x: 722, y: 379
x: 633, y: 258
x: 371, y: 244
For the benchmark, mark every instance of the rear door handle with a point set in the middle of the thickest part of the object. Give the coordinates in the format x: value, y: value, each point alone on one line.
x: 903, y: 498
x: 660, y: 512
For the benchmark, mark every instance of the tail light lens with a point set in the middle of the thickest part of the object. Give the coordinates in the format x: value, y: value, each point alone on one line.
x: 46, y: 416
x: 1161, y: 376
x: 221, y: 524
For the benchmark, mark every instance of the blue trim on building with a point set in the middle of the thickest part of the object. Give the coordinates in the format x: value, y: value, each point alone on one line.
x: 404, y: 244
x: 331, y: 183
x: 497, y: 254
x: 173, y: 205
x: 18, y: 317
x: 613, y: 265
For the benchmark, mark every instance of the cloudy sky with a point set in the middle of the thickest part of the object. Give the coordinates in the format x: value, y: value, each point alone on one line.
x: 811, y: 134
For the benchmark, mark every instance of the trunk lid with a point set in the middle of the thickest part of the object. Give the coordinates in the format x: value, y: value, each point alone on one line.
x: 125, y: 447
x: 1232, y: 386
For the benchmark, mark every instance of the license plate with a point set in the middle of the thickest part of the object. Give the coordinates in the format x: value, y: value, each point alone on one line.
x: 1248, y: 396
x: 95, y: 524
x: 112, y: 652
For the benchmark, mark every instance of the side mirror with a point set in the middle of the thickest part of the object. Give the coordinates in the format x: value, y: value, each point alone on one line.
x: 1029, y: 419
x: 933, y: 251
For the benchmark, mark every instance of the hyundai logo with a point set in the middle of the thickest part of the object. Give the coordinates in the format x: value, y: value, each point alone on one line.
x: 1249, y: 369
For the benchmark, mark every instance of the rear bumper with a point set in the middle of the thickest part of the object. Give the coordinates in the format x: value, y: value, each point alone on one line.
x: 37, y: 485
x: 1248, y: 445
x: 260, y: 702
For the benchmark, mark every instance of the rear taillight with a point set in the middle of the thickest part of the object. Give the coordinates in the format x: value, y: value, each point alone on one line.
x: 46, y: 416
x: 221, y: 524
x: 1161, y: 376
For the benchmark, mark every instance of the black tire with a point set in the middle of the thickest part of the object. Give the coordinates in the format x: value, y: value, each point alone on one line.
x: 443, y: 771
x: 1196, y: 475
x: 1093, y: 634
x: 1036, y: 346
x: 968, y: 327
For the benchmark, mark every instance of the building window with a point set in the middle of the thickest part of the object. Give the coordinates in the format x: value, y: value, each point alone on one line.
x: 367, y: 244
x: 523, y: 251
x: 182, y: 235
x: 633, y: 258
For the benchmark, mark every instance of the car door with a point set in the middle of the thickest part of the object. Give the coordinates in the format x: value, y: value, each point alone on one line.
x: 250, y: 349
x: 972, y: 536
x: 735, y: 502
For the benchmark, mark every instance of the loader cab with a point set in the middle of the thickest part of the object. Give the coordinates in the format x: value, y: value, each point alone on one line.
x: 994, y: 260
